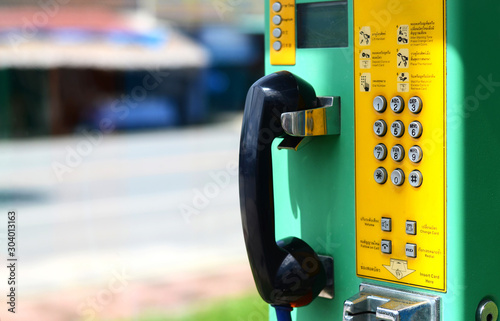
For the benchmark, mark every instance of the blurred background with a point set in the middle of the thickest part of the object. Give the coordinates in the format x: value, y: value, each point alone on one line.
x: 119, y: 133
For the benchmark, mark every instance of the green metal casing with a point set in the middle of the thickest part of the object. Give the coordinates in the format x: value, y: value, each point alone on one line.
x: 314, y: 187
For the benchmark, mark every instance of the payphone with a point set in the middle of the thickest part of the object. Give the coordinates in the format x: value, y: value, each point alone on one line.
x: 370, y: 161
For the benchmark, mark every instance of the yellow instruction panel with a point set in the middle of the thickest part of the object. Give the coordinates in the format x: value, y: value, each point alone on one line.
x: 282, y: 32
x: 400, y: 108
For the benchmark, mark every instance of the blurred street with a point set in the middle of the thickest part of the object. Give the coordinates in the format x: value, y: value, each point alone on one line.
x: 157, y: 207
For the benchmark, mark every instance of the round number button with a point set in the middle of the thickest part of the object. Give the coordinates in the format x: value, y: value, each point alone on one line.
x: 380, y: 104
x: 380, y: 175
x: 398, y: 153
x: 380, y: 152
x: 397, y: 104
x: 397, y: 128
x: 415, y: 154
x: 415, y: 178
x: 415, y: 129
x: 415, y: 104
x: 398, y: 177
x: 380, y: 128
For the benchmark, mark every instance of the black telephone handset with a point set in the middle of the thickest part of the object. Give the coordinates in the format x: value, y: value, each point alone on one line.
x: 288, y: 272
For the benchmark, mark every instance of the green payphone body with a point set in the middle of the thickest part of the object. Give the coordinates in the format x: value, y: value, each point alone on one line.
x: 392, y: 168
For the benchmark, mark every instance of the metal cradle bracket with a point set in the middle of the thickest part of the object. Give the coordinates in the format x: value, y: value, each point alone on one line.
x: 319, y: 121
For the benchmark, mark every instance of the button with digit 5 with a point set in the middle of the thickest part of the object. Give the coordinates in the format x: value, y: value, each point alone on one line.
x: 397, y: 128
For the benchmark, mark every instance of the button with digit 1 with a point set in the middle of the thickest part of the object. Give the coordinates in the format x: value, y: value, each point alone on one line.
x: 380, y: 104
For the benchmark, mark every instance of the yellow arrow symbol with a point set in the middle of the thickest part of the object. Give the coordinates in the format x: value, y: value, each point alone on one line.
x: 399, y: 268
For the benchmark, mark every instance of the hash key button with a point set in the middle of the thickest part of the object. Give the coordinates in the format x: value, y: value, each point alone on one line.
x: 411, y: 250
x: 415, y: 178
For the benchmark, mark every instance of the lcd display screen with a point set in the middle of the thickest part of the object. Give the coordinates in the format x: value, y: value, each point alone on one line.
x: 322, y: 24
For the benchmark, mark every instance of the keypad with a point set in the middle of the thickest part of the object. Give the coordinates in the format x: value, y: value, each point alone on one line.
x: 398, y: 152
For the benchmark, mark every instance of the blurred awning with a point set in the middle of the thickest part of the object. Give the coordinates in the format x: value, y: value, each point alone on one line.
x: 93, y: 38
